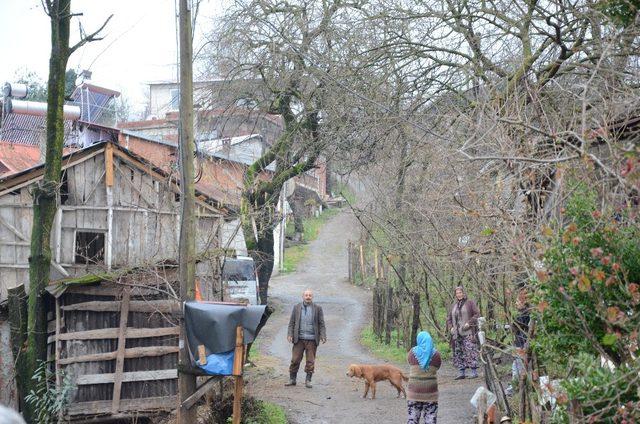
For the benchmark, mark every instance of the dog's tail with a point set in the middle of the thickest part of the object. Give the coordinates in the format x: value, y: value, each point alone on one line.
x: 404, y: 377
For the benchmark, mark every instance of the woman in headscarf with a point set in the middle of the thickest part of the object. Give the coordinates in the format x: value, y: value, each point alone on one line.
x: 462, y: 322
x: 422, y: 391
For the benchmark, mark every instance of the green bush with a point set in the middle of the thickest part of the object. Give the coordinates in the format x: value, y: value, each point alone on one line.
x: 588, y: 306
x: 606, y: 395
x: 47, y: 400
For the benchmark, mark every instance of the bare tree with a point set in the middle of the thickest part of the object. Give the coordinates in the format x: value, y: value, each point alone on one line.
x: 290, y: 49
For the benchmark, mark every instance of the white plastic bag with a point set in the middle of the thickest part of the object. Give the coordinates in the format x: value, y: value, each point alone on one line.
x: 549, y: 391
x: 491, y: 398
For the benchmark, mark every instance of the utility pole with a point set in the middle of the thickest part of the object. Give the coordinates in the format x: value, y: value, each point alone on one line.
x: 187, y: 246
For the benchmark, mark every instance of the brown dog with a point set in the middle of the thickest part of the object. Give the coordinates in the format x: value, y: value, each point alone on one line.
x: 374, y: 373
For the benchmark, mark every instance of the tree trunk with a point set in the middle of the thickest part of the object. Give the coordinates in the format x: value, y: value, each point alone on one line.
x: 45, y: 197
x: 297, y: 207
x: 415, y: 319
x: 17, y: 304
x: 264, y: 262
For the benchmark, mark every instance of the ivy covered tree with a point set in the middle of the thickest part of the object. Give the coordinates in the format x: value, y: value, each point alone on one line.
x: 46, y: 193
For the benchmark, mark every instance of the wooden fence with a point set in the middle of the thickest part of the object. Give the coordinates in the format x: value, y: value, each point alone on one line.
x: 372, y: 268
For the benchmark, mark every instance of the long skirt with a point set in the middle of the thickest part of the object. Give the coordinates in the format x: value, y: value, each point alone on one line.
x: 428, y: 411
x: 465, y: 352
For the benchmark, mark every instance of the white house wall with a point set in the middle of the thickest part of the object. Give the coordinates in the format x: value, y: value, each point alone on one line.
x: 232, y: 237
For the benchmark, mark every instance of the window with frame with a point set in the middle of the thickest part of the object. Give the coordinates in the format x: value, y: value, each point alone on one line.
x: 89, y: 248
x: 175, y: 99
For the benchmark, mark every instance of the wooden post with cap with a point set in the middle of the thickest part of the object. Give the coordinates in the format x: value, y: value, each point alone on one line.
x: 238, y: 363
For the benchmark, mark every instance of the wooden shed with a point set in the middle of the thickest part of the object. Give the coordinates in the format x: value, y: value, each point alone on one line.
x: 118, y: 217
x: 116, y: 341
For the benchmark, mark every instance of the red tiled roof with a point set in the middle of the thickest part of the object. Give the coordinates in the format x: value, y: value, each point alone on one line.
x: 17, y: 157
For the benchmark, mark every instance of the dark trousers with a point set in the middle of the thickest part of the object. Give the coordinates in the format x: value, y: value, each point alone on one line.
x: 308, y: 347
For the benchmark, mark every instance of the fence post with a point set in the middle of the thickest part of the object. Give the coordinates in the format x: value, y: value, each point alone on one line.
x: 363, y: 272
x: 375, y: 263
x: 238, y: 360
x: 388, y: 313
x: 482, y: 407
x: 349, y: 262
x: 376, y: 309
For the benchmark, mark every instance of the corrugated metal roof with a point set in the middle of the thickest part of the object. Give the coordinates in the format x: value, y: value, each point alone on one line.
x: 238, y: 149
x: 28, y: 129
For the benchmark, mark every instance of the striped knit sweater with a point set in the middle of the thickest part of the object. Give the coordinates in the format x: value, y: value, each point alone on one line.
x: 423, y: 384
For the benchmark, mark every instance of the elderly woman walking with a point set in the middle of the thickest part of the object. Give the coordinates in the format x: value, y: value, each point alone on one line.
x: 462, y: 322
x: 422, y: 391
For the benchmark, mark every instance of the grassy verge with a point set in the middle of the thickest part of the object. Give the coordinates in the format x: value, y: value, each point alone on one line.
x: 255, y: 355
x: 312, y: 226
x: 256, y: 411
x: 391, y: 352
x: 269, y: 413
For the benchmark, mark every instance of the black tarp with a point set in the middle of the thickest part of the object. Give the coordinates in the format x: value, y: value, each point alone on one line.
x: 214, y: 325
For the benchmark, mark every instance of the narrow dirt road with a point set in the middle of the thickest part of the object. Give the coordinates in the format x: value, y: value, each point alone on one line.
x: 335, y: 398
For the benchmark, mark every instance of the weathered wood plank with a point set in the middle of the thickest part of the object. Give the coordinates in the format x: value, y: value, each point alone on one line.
x: 58, y: 345
x: 100, y: 290
x: 59, y: 267
x: 127, y: 377
x: 134, y: 191
x: 108, y: 165
x: 13, y: 229
x: 14, y: 243
x: 78, y: 175
x: 201, y: 391
x: 112, y: 333
x: 164, y: 403
x: 124, y: 318
x: 173, y: 187
x: 165, y: 306
x: 94, y: 189
x: 133, y: 352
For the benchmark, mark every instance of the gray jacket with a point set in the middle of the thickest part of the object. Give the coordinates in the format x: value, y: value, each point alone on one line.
x: 318, y: 323
x: 457, y: 319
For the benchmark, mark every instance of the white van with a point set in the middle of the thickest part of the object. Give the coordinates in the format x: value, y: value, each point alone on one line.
x: 239, y: 280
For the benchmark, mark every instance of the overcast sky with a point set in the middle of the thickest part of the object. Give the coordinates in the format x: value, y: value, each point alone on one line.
x: 139, y: 44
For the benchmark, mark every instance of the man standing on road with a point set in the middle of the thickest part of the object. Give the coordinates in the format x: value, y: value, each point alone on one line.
x: 306, y: 331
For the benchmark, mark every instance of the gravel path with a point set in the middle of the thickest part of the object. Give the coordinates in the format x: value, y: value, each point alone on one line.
x: 335, y: 398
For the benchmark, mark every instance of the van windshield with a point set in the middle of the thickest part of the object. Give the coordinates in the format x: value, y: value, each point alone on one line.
x: 238, y: 270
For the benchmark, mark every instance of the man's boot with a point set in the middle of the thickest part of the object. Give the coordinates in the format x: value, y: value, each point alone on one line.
x: 460, y: 374
x: 474, y: 373
x: 292, y: 379
x: 307, y: 382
